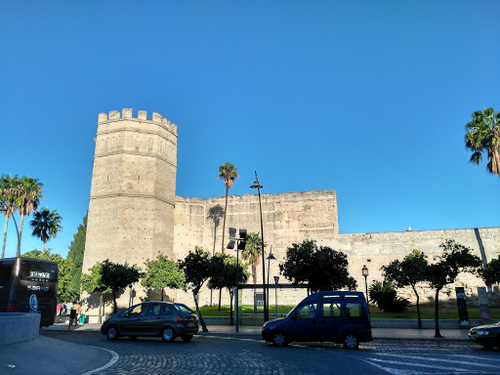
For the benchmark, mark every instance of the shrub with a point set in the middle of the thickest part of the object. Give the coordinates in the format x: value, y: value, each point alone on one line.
x: 385, y: 296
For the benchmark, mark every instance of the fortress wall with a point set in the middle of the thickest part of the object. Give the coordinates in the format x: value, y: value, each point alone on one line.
x: 379, y: 249
x: 287, y: 218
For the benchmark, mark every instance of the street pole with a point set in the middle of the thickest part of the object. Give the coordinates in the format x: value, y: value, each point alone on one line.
x: 258, y: 186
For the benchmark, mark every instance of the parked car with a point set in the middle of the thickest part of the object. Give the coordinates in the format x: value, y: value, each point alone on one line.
x: 487, y: 335
x: 164, y: 319
x: 340, y: 317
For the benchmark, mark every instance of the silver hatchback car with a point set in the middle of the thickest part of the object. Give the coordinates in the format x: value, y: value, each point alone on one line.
x: 162, y: 319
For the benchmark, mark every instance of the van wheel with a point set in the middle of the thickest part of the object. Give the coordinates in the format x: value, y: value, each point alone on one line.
x: 351, y: 341
x: 112, y: 333
x: 168, y: 334
x: 279, y: 339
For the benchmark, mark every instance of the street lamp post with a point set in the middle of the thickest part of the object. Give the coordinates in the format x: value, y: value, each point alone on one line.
x: 269, y: 258
x: 276, y: 280
x: 232, y: 240
x: 364, y: 272
x: 258, y: 186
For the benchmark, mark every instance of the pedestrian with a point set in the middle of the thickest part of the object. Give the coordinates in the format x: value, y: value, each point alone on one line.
x: 78, y: 310
x: 58, y: 308
x: 82, y: 315
x: 68, y: 307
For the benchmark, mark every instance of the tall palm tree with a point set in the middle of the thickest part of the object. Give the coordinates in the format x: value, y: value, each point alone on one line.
x: 27, y: 201
x: 8, y: 186
x: 252, y: 252
x: 483, y: 135
x: 227, y: 172
x: 45, y: 225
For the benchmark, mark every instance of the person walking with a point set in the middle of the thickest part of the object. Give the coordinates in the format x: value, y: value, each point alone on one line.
x: 76, y: 309
x: 82, y: 315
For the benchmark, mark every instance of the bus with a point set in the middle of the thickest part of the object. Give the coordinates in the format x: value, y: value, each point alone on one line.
x: 22, y: 277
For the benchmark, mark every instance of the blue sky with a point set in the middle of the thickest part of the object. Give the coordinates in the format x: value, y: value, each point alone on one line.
x: 367, y: 98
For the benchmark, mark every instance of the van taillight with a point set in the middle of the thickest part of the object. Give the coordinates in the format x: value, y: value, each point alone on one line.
x: 10, y: 308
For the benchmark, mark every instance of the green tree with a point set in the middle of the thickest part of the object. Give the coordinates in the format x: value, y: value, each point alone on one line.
x: 491, y: 274
x: 45, y: 225
x: 8, y: 193
x: 162, y: 273
x: 225, y: 270
x: 29, y: 194
x: 197, y: 267
x: 483, y: 136
x: 76, y: 252
x: 228, y: 173
x: 252, y: 253
x: 108, y: 277
x: 93, y: 283
x: 454, y: 259
x: 409, y: 272
x: 64, y: 290
x: 321, y: 268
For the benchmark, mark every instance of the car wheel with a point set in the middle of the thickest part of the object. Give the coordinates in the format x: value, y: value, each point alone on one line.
x: 133, y: 337
x: 186, y: 337
x: 351, y: 341
x: 168, y: 334
x: 280, y: 339
x: 112, y: 333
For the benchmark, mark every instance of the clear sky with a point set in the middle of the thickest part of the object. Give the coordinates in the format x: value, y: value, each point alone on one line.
x: 369, y: 98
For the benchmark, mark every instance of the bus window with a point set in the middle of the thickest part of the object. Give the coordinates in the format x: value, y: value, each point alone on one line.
x: 6, y: 269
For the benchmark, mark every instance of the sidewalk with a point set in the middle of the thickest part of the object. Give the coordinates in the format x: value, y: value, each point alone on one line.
x: 378, y: 333
x: 48, y: 356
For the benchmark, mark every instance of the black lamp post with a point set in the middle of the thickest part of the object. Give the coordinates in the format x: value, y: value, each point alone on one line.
x: 364, y: 272
x: 269, y: 258
x: 258, y: 186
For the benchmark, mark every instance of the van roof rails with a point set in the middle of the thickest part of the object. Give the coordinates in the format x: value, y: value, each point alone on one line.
x: 335, y: 294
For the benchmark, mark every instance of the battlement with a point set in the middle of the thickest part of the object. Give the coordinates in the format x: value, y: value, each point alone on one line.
x: 141, y: 115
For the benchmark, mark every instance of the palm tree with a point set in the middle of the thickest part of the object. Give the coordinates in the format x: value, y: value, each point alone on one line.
x: 45, y: 225
x: 227, y: 172
x: 252, y: 252
x: 8, y: 186
x: 484, y: 136
x: 27, y: 201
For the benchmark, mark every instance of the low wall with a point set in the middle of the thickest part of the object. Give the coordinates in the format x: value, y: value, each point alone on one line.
x: 18, y: 327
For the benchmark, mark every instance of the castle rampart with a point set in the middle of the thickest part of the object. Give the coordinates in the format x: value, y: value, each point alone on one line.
x: 134, y: 213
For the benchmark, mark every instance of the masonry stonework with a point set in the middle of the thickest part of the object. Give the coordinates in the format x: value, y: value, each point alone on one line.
x: 134, y: 214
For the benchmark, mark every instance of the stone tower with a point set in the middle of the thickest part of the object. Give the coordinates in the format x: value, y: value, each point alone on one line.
x: 132, y: 195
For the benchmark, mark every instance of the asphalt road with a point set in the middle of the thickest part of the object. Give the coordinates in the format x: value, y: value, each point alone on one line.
x: 232, y: 354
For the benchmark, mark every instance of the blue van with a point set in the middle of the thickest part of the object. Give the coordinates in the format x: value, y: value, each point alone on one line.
x: 340, y: 317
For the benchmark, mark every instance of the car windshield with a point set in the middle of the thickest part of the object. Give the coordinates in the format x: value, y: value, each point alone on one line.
x: 184, y: 308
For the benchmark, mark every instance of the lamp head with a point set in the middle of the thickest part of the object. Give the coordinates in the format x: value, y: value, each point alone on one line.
x: 364, y: 271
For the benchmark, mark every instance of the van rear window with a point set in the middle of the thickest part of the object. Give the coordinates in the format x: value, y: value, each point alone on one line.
x: 353, y: 310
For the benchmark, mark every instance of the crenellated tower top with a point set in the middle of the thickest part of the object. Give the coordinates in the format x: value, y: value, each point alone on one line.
x: 141, y: 115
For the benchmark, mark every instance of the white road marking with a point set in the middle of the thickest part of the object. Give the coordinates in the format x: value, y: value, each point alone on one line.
x: 114, y: 358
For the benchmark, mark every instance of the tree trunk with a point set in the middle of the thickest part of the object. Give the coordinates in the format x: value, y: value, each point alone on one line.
x: 224, y: 220
x: 436, y: 315
x: 198, y: 312
x: 231, y: 294
x: 101, y: 298
x: 18, y: 251
x: 419, y: 317
x: 5, y: 235
x: 115, y: 307
x: 162, y: 294
x: 220, y: 297
x: 43, y: 246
